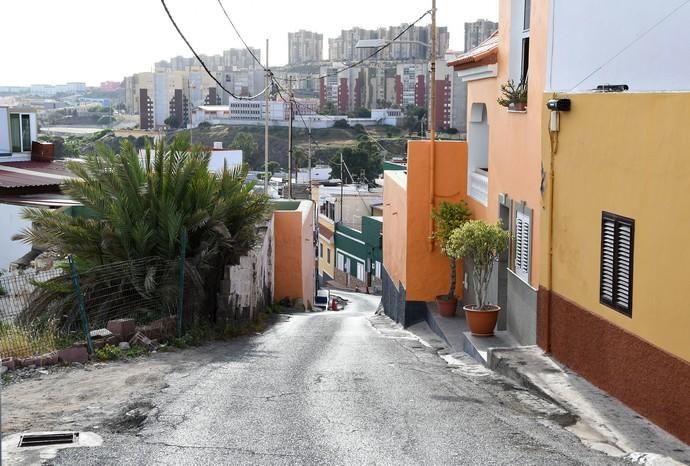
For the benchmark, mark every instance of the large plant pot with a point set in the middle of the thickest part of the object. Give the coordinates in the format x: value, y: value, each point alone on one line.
x: 481, y: 323
x: 446, y: 307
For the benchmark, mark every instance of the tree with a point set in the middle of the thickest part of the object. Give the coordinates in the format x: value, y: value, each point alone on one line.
x: 448, y: 218
x: 360, y: 112
x: 273, y: 166
x: 330, y: 109
x: 172, y: 121
x: 414, y: 116
x: 140, y: 207
x: 363, y: 156
x: 245, y: 142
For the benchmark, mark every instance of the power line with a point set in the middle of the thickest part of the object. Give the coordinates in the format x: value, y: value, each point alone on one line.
x: 373, y: 54
x: 196, y: 55
x: 633, y: 42
x: 251, y: 52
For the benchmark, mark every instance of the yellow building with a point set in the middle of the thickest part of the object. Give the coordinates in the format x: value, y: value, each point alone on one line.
x: 616, y: 218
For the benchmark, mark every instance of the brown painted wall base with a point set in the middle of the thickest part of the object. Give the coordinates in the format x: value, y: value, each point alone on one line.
x: 649, y: 380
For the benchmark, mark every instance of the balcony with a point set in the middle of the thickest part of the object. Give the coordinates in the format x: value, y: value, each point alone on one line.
x: 479, y: 185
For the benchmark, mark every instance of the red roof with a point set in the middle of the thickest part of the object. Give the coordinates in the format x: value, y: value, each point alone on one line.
x: 32, y: 174
x: 485, y: 53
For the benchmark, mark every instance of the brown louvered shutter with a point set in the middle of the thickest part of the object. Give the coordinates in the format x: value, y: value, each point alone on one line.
x: 617, y: 250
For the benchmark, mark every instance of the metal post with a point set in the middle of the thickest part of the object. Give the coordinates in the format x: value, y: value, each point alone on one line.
x: 432, y: 111
x: 342, y: 187
x: 266, y: 103
x: 180, y: 288
x: 290, y: 142
x: 82, y: 305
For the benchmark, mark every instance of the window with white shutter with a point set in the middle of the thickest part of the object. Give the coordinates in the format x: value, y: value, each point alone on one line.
x: 360, y: 271
x: 617, y: 242
x: 341, y: 262
x: 523, y: 236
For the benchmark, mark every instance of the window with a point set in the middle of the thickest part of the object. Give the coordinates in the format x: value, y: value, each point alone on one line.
x: 526, y: 15
x: 617, y: 242
x: 377, y: 272
x: 525, y: 59
x: 20, y: 131
x: 321, y: 250
x: 340, y: 262
x: 360, y: 271
x: 328, y: 255
x: 523, y: 234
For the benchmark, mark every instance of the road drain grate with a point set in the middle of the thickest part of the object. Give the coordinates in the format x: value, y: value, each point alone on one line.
x: 41, y: 440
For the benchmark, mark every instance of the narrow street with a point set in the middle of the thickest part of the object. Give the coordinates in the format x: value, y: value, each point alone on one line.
x: 343, y: 387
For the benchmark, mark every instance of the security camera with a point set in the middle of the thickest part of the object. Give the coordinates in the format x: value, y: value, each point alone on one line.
x: 559, y: 105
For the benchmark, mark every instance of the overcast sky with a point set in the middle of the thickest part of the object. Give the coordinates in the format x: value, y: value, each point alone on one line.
x: 55, y: 41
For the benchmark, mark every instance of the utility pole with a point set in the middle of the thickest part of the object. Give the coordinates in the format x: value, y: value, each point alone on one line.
x: 290, y: 140
x: 309, y: 136
x: 266, y: 103
x: 189, y: 112
x: 432, y: 128
x: 342, y: 187
x: 432, y: 111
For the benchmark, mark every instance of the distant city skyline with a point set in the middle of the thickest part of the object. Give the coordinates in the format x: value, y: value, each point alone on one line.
x: 84, y: 41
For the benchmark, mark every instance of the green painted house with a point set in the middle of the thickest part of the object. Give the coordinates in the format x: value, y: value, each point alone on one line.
x: 359, y: 255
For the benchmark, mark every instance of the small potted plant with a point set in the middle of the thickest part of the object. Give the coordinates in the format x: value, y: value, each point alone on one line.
x: 482, y: 243
x: 449, y: 217
x: 514, y: 95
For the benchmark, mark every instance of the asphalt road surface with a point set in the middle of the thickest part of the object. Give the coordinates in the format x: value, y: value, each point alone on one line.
x: 337, y: 388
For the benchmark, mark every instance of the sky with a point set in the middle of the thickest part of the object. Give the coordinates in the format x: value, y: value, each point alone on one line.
x: 99, y: 40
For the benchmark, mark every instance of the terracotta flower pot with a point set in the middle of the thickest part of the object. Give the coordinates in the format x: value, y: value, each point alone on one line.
x: 446, y: 307
x: 481, y: 323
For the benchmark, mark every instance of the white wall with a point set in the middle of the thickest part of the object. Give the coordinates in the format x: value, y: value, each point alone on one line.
x: 218, y: 157
x: 12, y: 223
x: 5, y: 146
x: 644, y: 44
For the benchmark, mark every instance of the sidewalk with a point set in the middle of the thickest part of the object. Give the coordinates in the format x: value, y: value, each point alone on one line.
x: 604, y: 423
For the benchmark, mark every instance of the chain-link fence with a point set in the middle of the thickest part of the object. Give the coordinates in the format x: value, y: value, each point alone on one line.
x: 20, y: 292
x: 42, y: 312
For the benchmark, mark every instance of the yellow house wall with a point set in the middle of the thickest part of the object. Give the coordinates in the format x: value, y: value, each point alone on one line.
x: 626, y: 154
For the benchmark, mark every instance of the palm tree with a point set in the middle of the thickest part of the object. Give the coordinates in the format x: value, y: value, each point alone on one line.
x: 140, y: 206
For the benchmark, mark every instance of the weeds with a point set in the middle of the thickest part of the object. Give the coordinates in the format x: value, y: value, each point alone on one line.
x: 108, y: 353
x: 19, y: 342
x: 136, y: 351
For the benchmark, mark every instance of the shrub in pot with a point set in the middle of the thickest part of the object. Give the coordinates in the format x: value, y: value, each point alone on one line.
x: 447, y: 218
x: 482, y: 243
x: 514, y: 95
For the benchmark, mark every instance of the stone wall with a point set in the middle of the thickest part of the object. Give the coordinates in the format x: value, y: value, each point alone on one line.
x: 246, y: 287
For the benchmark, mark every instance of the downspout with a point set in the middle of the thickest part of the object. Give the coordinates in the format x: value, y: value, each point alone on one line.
x: 553, y: 137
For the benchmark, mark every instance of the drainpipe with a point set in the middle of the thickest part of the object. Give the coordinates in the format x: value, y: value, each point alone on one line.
x: 554, y: 127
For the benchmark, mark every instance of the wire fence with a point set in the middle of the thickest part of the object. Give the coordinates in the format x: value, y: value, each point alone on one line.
x: 21, y: 336
x: 41, y: 312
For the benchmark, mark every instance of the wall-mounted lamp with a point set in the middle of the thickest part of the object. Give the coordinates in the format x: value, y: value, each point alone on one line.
x: 558, y: 105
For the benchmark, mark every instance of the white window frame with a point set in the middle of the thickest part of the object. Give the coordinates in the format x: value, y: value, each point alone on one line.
x: 360, y: 271
x: 523, y: 245
x: 377, y: 270
x: 340, y: 262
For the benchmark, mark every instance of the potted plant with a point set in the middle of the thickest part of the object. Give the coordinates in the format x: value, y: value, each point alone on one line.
x: 482, y: 243
x: 449, y: 217
x: 514, y: 95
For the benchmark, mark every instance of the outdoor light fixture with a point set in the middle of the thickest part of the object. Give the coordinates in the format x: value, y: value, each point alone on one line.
x: 558, y: 105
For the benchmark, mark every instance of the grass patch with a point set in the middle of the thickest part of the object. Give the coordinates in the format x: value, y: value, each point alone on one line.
x: 19, y: 342
x: 199, y: 335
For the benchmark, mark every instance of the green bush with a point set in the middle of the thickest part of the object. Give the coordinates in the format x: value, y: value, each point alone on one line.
x: 136, y: 351
x: 108, y: 353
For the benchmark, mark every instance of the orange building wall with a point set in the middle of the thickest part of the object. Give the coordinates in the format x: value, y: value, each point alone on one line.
x: 427, y: 270
x: 395, y: 226
x: 294, y: 254
x: 515, y: 138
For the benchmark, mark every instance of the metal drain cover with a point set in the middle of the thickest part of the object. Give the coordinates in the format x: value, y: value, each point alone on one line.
x: 41, y: 440
x: 36, y: 447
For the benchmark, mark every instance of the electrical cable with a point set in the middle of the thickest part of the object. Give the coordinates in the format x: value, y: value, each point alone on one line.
x: 172, y: 20
x: 251, y: 52
x: 373, y: 54
x: 630, y: 44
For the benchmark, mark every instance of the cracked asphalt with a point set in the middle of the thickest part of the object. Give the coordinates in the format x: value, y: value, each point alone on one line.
x: 337, y: 388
